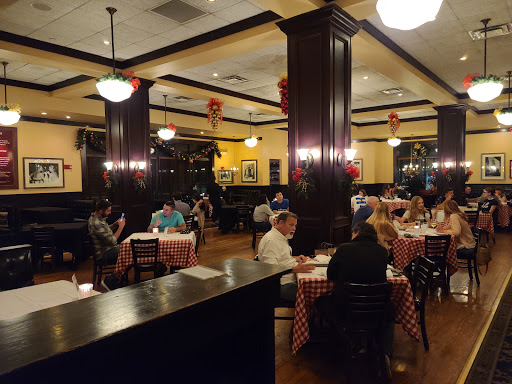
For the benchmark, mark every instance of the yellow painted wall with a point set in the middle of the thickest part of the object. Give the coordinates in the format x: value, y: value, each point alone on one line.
x: 488, y: 143
x: 48, y: 141
x: 274, y: 145
x: 377, y: 161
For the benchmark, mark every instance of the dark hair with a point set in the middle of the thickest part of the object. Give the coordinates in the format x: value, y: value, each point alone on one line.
x: 177, y: 196
x: 171, y: 204
x: 103, y: 205
x: 278, y: 192
x: 490, y: 190
x: 364, y: 192
x: 283, y: 216
x: 262, y: 199
x: 365, y: 229
x: 447, y: 190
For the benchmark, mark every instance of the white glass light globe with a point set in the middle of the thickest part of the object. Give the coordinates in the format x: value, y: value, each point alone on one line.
x: 505, y: 118
x: 407, y: 14
x: 114, y: 90
x: 394, y: 141
x: 9, y: 117
x: 251, y: 142
x: 484, y: 92
x: 166, y: 134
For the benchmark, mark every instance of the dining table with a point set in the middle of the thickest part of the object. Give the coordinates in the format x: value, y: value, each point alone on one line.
x: 504, y: 213
x: 396, y: 204
x: 174, y: 249
x: 47, y: 215
x: 406, y: 249
x: 310, y: 286
x: 18, y: 302
x: 486, y: 222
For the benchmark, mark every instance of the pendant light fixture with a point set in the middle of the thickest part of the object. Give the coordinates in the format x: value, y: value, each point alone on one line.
x: 483, y: 88
x: 252, y: 140
x: 504, y: 115
x: 407, y: 14
x: 394, y: 124
x: 9, y: 114
x: 168, y: 131
x: 116, y: 87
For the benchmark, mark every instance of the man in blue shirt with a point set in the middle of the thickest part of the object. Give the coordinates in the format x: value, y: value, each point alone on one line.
x: 169, y: 217
x: 365, y: 212
x: 280, y: 204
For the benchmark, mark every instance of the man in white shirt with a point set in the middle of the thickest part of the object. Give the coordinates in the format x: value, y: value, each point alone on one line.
x: 274, y: 249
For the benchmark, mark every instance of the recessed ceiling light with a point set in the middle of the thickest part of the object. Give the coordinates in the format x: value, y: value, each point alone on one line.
x: 41, y: 6
x: 106, y: 42
x: 68, y: 117
x: 366, y: 77
x: 43, y: 113
x: 400, y: 94
x: 463, y: 58
x: 211, y: 1
x: 202, y: 133
x: 215, y: 74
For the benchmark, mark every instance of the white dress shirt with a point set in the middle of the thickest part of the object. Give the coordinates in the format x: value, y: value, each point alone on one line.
x: 274, y: 249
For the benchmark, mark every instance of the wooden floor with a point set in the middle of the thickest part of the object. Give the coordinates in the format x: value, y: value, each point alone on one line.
x: 453, y: 321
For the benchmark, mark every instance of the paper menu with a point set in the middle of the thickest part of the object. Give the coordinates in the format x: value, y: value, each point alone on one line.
x: 200, y: 272
x: 75, y: 282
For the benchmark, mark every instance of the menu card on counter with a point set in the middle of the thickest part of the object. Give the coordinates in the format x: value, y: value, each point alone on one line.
x: 8, y: 158
x: 200, y: 272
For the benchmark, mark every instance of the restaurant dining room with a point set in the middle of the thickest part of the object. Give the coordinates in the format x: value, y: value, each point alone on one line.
x: 256, y: 191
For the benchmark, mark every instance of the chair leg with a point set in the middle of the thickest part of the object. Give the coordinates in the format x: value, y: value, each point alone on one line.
x: 253, y: 240
x: 470, y: 266
x: 94, y: 272
x: 424, y: 329
x: 476, y: 272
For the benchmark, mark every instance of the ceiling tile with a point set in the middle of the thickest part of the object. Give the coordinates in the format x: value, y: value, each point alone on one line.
x: 17, y: 29
x: 180, y: 33
x: 206, y: 24
x: 130, y: 33
x: 156, y: 42
x: 94, y: 49
x: 237, y: 12
x: 62, y: 33
x: 56, y: 77
x: 212, y: 7
x: 12, y: 66
x: 97, y: 40
x: 31, y: 72
x: 133, y: 50
x: 151, y: 23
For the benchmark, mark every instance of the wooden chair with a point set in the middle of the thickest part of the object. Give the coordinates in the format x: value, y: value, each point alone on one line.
x: 420, y: 281
x: 436, y: 249
x: 469, y: 262
x: 255, y: 233
x: 242, y: 216
x: 99, y: 266
x: 43, y: 246
x: 15, y: 267
x: 146, y: 249
x: 472, y: 217
x: 189, y: 220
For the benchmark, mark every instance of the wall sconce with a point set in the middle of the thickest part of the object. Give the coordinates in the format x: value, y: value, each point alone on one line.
x: 349, y: 155
x: 138, y: 165
x: 448, y: 164
x: 468, y: 164
x: 235, y: 170
x: 305, y: 156
x: 111, y: 166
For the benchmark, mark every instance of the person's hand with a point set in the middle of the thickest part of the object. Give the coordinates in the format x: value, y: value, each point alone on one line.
x: 157, y: 222
x: 302, y: 258
x: 303, y: 268
x: 121, y: 223
x: 200, y: 201
x: 171, y: 230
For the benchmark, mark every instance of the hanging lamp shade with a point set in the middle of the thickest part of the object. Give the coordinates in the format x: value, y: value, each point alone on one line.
x: 168, y: 131
x: 251, y: 141
x: 504, y: 115
x: 407, y: 14
x: 394, y: 141
x: 484, y: 92
x: 505, y: 118
x: 9, y: 114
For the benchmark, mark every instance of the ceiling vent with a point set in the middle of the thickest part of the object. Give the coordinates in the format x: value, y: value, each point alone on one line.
x: 495, y: 31
x: 392, y: 91
x: 178, y: 11
x: 181, y: 99
x: 234, y: 79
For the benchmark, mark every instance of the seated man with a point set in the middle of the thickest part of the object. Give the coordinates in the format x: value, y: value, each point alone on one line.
x: 469, y: 197
x: 274, y: 249
x: 366, y: 211
x: 105, y: 240
x: 169, y: 217
x: 280, y: 204
x: 181, y: 207
x: 361, y: 261
x: 448, y: 195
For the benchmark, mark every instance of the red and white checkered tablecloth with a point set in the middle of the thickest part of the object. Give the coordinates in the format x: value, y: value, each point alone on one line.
x: 406, y: 250
x: 485, y: 222
x: 504, y: 212
x: 171, y: 252
x: 397, y: 204
x: 311, y: 288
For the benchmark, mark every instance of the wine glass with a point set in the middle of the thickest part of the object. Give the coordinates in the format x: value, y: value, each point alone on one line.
x: 433, y: 222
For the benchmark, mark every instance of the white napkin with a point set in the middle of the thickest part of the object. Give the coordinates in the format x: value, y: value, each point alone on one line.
x: 322, y: 259
x: 390, y: 267
x: 321, y: 272
x: 389, y: 273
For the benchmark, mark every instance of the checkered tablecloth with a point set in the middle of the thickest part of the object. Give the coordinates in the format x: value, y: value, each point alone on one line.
x: 397, y: 204
x: 504, y: 212
x: 173, y: 250
x: 311, y: 288
x: 485, y: 222
x: 406, y: 250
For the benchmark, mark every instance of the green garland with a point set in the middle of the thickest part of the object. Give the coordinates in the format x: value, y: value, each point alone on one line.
x: 190, y: 157
x: 489, y: 79
x: 419, y: 151
x: 83, y: 136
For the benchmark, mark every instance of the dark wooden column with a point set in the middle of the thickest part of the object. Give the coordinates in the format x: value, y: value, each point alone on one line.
x: 127, y: 138
x: 451, y: 139
x: 319, y: 85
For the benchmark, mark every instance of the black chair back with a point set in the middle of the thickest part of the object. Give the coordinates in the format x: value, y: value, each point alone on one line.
x: 146, y: 249
x: 436, y: 249
x: 242, y: 210
x: 16, y: 267
x: 189, y: 220
x: 472, y: 217
x: 43, y: 237
x: 422, y: 277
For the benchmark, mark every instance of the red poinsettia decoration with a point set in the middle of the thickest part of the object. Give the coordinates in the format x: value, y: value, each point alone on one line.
x: 467, y: 81
x: 296, y: 174
x: 445, y: 171
x: 214, y: 108
x: 433, y: 173
x: 134, y: 80
x: 171, y: 126
x: 352, y: 171
x: 139, y: 175
x: 393, y: 122
x: 283, y: 92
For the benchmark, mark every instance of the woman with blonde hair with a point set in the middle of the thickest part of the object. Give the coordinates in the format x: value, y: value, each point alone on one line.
x: 415, y: 212
x: 458, y: 226
x: 381, y: 220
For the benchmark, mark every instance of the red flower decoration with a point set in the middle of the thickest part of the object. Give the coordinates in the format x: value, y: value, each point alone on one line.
x: 283, y: 92
x: 470, y: 173
x: 135, y: 81
x: 296, y: 175
x: 139, y: 175
x: 433, y: 173
x: 467, y: 81
x: 352, y: 170
x: 445, y: 171
x: 105, y: 176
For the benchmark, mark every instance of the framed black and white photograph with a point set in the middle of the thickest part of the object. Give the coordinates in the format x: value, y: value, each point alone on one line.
x: 225, y: 176
x: 359, y: 164
x: 249, y: 170
x: 493, y: 166
x: 43, y: 173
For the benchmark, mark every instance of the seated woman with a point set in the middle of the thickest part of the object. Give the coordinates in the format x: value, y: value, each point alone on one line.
x: 415, y: 212
x: 381, y: 220
x: 386, y: 192
x: 198, y: 209
x: 459, y: 227
x: 501, y: 196
x: 262, y: 214
x: 489, y: 203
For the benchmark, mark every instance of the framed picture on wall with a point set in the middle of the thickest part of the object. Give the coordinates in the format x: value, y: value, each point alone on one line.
x: 225, y: 176
x: 249, y: 171
x: 493, y: 166
x: 43, y: 173
x: 359, y: 164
